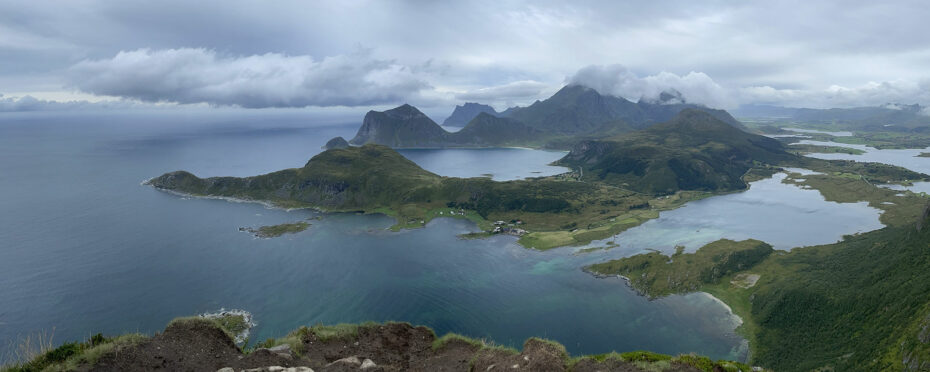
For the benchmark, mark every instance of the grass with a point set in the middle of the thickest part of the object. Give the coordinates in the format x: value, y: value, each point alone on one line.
x: 30, y: 346
x: 441, y: 342
x: 340, y: 331
x: 70, y: 356
x: 656, y: 275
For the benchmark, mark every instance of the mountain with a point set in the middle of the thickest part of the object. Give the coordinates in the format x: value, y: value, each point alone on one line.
x: 336, y: 143
x: 465, y: 113
x: 577, y: 109
x: 354, y: 177
x: 574, y: 113
x: 403, y: 126
x: 693, y: 151
x: 488, y: 130
x: 894, y: 117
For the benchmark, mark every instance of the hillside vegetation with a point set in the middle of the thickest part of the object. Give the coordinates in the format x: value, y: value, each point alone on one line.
x: 693, y: 151
x: 857, y: 305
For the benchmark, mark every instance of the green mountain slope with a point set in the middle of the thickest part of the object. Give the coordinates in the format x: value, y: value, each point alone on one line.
x: 356, y: 177
x: 693, y: 151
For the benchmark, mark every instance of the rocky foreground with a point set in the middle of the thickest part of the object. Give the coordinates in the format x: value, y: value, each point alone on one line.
x: 195, y: 344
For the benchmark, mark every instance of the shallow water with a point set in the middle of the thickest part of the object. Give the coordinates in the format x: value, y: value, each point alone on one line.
x: 835, y: 134
x: 783, y: 215
x: 906, y: 158
x: 87, y: 249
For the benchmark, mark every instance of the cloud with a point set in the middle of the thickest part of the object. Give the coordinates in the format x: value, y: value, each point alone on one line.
x: 510, y: 91
x: 885, y: 93
x: 197, y: 75
x: 617, y: 80
x: 30, y: 103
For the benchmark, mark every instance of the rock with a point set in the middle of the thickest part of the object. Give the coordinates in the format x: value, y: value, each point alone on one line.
x: 226, y: 369
x: 283, y: 348
x: 350, y: 361
x: 368, y: 363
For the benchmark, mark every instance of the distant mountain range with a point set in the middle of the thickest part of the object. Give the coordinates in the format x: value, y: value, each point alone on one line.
x: 574, y: 112
x: 577, y: 109
x: 886, y: 117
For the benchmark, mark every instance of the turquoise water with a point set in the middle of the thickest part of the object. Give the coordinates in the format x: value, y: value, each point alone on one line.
x: 783, y: 215
x: 86, y: 248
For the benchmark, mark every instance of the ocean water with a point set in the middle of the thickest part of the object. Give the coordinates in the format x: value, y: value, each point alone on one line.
x: 84, y: 248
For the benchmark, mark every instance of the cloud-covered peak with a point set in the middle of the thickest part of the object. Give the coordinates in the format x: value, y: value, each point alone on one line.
x: 197, y: 75
x: 617, y: 80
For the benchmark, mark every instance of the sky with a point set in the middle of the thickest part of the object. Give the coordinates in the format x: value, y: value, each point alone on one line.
x: 352, y: 55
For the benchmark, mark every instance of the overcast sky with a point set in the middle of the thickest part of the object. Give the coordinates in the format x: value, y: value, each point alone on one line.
x: 435, y: 54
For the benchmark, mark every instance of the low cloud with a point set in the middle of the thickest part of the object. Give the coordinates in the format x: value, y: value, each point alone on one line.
x: 511, y: 91
x: 886, y: 93
x: 30, y: 103
x: 196, y: 75
x: 617, y: 80
x: 698, y: 87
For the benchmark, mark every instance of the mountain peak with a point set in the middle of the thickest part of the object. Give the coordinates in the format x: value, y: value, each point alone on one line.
x: 465, y: 113
x: 405, y: 111
x: 402, y: 126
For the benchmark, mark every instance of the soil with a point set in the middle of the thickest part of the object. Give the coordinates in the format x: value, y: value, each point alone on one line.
x: 201, y: 346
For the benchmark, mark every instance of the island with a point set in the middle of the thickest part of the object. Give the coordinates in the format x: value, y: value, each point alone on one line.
x: 276, y: 230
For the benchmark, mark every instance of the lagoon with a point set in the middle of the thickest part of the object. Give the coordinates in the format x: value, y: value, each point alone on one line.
x: 783, y: 215
x: 906, y: 158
